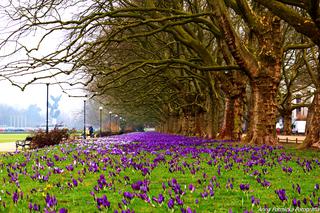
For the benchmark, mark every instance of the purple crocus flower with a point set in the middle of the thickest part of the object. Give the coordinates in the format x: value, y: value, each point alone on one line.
x: 155, y: 199
x: 312, y: 204
x: 244, y: 187
x: 163, y: 186
x: 298, y: 188
x: 69, y: 167
x: 266, y: 183
x: 170, y: 203
x: 30, y: 206
x: 75, y: 182
x: 304, y: 201
x: 160, y: 198
x: 102, y: 181
x: 36, y: 207
x: 144, y: 197
x: 50, y: 201
x: 63, y: 210
x: 15, y: 197
x: 125, y: 202
x: 179, y: 201
x: 128, y: 195
x: 204, y: 194
x: 255, y: 201
x: 189, y: 210
x: 103, y: 201
x: 136, y: 185
x: 281, y: 194
x: 258, y: 180
x: 294, y: 202
x: 191, y: 188
x: 316, y: 187
x: 145, y: 171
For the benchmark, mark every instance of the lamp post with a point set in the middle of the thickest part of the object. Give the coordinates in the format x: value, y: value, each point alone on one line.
x: 116, y: 122
x: 100, y: 110
x: 47, y: 115
x: 120, y: 120
x: 84, y: 119
x: 110, y: 121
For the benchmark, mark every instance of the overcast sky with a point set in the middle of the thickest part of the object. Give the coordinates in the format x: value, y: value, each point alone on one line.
x: 33, y: 94
x: 36, y: 94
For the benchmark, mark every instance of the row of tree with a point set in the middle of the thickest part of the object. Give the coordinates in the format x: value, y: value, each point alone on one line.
x: 196, y: 67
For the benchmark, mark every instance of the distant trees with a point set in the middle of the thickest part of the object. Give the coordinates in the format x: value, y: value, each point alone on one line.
x: 29, y: 117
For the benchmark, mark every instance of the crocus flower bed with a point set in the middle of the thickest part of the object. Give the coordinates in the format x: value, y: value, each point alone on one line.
x: 153, y: 172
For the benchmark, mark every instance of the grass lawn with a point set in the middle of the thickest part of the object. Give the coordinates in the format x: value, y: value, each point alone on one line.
x: 10, y: 137
x: 159, y: 173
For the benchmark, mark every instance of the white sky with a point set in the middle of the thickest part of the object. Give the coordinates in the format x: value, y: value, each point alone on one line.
x: 33, y: 94
x: 37, y: 94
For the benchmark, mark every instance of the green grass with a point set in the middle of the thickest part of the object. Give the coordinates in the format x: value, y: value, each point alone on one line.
x: 78, y: 199
x: 10, y: 137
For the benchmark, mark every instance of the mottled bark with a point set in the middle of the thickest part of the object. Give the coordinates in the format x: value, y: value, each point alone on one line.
x: 226, y: 132
x: 200, y: 125
x: 212, y: 117
x: 233, y: 119
x: 287, y: 122
x: 262, y: 123
x: 235, y: 90
x: 263, y: 69
x: 239, y: 117
x: 313, y: 124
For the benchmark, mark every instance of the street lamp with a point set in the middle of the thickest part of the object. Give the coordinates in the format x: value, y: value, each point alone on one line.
x: 110, y: 120
x: 47, y: 115
x: 116, y: 120
x: 120, y: 122
x: 100, y: 110
x: 84, y: 119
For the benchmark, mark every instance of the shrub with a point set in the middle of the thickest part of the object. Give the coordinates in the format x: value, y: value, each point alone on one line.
x: 40, y: 139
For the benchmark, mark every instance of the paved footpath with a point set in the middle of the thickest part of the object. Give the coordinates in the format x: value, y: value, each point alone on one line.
x: 8, y: 147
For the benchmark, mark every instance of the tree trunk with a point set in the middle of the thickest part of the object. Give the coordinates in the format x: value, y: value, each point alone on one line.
x: 238, y: 118
x: 287, y: 123
x: 226, y: 132
x: 204, y: 124
x: 263, y: 119
x: 176, y: 121
x: 233, y: 119
x: 184, y: 124
x: 192, y: 126
x: 313, y: 124
x: 200, y: 125
x: 212, y: 127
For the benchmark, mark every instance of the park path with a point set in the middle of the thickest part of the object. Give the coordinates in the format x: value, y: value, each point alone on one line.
x: 11, y: 146
x: 8, y: 147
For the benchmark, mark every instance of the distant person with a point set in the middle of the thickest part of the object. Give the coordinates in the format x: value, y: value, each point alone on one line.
x: 91, y: 131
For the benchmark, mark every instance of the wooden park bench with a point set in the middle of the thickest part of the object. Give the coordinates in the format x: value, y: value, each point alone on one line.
x: 24, y: 143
